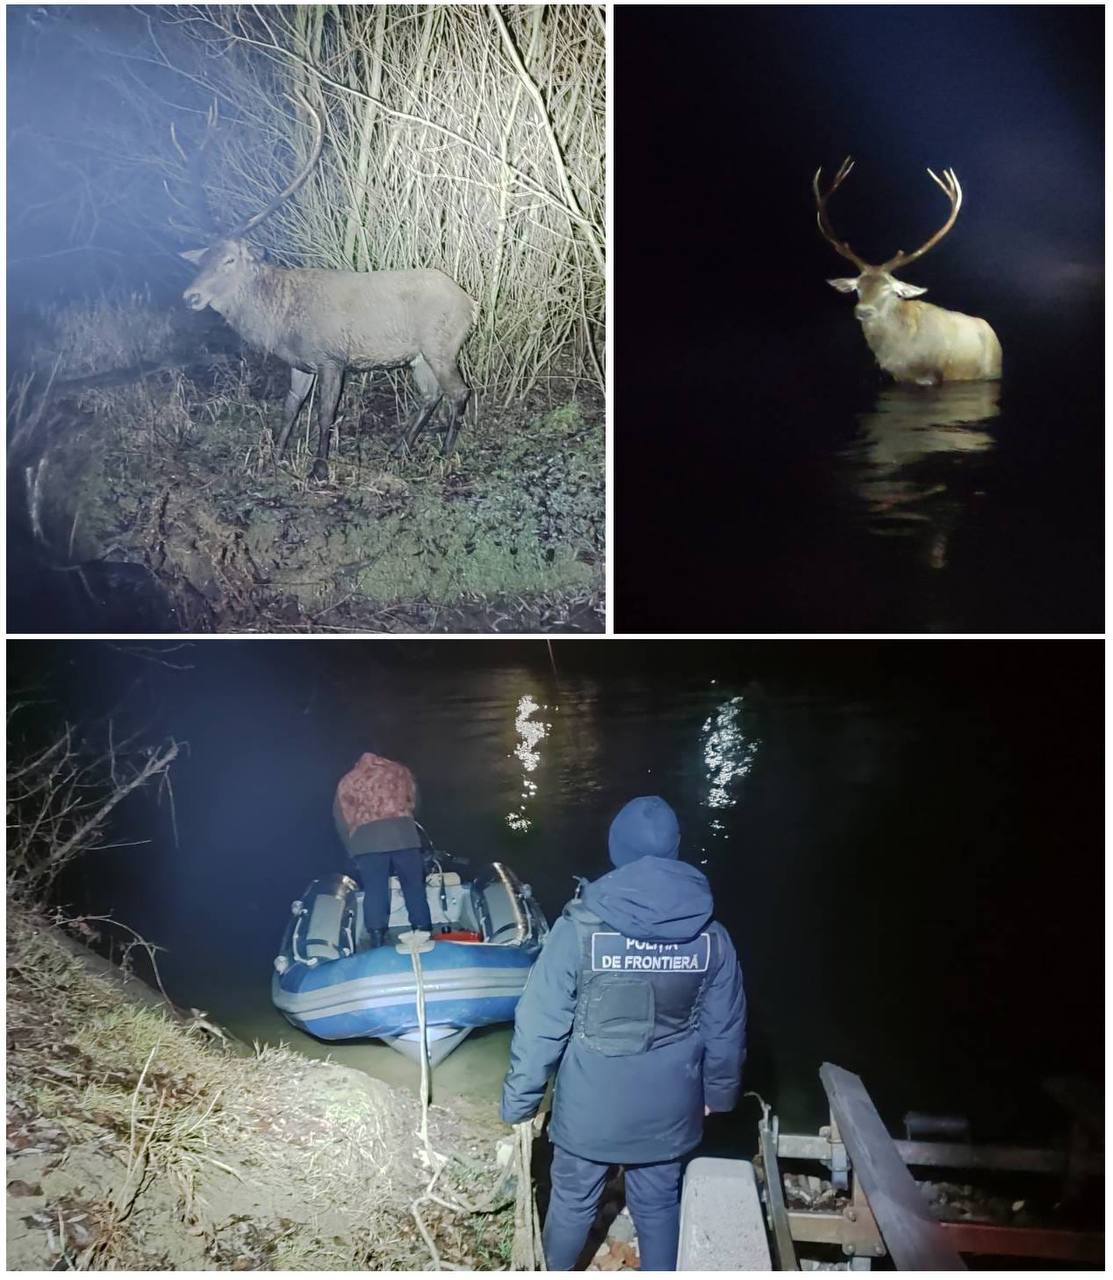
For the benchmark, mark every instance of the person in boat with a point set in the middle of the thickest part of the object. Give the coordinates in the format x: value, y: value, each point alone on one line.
x: 650, y: 983
x: 374, y: 813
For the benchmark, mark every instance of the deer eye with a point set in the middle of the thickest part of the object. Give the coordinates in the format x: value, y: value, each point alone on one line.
x: 228, y: 261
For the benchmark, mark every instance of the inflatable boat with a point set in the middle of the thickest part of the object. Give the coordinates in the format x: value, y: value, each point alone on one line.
x: 329, y: 981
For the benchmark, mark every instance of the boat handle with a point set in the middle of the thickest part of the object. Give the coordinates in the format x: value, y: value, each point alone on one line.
x: 298, y: 958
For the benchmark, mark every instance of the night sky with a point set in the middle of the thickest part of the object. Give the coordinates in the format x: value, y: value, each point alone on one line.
x: 732, y: 351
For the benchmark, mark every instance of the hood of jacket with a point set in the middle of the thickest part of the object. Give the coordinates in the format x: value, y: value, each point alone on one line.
x: 653, y: 899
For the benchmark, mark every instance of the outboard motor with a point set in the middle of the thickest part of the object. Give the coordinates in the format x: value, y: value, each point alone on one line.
x: 324, y: 922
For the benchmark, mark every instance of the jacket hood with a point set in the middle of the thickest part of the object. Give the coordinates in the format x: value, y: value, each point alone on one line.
x: 644, y: 827
x: 653, y: 899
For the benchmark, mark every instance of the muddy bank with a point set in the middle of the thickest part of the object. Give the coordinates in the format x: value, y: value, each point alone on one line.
x: 139, y: 1139
x: 162, y: 498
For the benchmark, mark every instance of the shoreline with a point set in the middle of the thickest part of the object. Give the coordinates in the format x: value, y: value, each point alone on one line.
x: 142, y: 1140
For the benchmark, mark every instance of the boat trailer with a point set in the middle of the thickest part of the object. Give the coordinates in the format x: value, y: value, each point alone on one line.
x: 870, y: 1206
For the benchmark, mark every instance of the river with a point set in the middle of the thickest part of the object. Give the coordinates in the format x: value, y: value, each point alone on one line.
x: 903, y: 838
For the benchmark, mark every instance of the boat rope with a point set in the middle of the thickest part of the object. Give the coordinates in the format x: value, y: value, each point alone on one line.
x: 525, y: 1250
x: 413, y: 943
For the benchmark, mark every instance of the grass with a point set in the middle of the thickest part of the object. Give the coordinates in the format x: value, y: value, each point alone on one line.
x: 111, y: 332
x: 184, y: 480
x: 135, y: 1143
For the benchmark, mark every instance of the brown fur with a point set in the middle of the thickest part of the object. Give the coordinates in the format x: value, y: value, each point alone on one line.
x: 324, y: 322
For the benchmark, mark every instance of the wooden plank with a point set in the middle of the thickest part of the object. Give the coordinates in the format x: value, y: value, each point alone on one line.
x: 910, y: 1232
x: 1027, y: 1242
x: 775, y: 1198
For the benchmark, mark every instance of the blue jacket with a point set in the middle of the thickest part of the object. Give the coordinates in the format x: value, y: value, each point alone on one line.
x: 636, y: 1002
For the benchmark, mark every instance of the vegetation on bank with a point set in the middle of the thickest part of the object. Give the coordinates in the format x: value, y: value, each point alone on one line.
x: 177, y: 474
x: 140, y: 1140
x: 141, y: 1137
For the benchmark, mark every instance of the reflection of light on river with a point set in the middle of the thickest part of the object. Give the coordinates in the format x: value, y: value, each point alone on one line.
x: 728, y: 755
x: 530, y: 733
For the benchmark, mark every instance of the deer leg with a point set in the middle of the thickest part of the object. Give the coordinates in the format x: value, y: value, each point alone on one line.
x: 300, y: 382
x: 449, y: 383
x: 456, y: 406
x: 331, y: 377
x: 430, y: 389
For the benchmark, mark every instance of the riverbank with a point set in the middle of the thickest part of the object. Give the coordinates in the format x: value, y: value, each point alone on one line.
x: 141, y: 1139
x: 156, y: 489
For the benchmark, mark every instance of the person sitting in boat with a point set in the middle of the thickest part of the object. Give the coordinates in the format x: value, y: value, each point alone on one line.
x: 374, y: 813
x: 653, y: 987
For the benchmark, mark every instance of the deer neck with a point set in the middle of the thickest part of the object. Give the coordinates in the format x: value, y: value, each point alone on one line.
x: 258, y: 306
x: 892, y: 335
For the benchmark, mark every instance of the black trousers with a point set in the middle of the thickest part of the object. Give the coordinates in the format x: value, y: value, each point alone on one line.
x: 652, y: 1194
x: 374, y: 871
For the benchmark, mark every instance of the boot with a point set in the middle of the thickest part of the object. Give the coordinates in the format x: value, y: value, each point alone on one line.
x: 378, y: 937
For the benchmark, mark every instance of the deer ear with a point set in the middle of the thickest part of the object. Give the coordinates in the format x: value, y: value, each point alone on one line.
x: 844, y: 285
x: 192, y: 255
x: 903, y: 290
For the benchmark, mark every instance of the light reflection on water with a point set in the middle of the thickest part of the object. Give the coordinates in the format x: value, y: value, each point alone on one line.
x: 909, y: 465
x: 728, y: 754
x: 530, y: 734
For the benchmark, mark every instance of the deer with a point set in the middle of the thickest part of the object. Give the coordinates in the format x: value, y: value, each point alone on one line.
x: 323, y: 322
x: 912, y: 341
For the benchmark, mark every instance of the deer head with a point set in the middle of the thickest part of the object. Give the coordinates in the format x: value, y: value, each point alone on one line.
x: 225, y: 264
x: 875, y: 286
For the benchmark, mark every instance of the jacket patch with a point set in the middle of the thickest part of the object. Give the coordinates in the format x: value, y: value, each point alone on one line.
x: 614, y: 953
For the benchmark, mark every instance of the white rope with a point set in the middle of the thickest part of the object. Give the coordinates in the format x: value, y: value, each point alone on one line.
x: 413, y: 943
x: 525, y: 1251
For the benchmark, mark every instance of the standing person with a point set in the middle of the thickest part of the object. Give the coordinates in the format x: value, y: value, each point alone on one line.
x: 374, y: 813
x: 637, y: 1003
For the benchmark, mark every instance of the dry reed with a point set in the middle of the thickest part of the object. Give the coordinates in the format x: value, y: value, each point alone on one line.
x: 465, y: 137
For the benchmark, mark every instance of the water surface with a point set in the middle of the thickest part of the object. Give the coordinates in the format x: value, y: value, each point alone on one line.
x: 903, y: 838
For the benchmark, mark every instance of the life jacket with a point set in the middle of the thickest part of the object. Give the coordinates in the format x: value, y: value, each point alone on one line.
x: 634, y: 996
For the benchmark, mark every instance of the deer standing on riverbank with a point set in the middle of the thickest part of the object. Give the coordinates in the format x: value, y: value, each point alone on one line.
x: 323, y: 322
x: 913, y: 341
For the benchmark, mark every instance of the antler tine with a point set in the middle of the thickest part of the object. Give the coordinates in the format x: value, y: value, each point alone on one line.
x: 307, y: 169
x: 823, y: 222
x: 949, y: 185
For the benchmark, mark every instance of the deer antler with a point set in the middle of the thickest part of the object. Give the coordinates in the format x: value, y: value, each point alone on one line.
x: 823, y: 222
x: 195, y: 171
x: 314, y: 156
x: 948, y: 184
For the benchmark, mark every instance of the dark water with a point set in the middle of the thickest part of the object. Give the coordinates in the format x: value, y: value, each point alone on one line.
x: 750, y: 419
x: 903, y: 838
x: 825, y: 498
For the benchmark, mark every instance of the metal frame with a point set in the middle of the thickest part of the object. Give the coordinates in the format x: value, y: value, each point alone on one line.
x: 864, y: 1158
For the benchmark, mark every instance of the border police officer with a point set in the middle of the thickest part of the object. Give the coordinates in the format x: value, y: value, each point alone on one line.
x: 637, y: 1003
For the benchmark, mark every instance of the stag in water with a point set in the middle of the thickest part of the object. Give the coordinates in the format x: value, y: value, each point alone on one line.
x: 322, y: 323
x: 912, y: 341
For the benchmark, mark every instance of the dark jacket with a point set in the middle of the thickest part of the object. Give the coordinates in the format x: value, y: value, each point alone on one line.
x: 636, y: 1001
